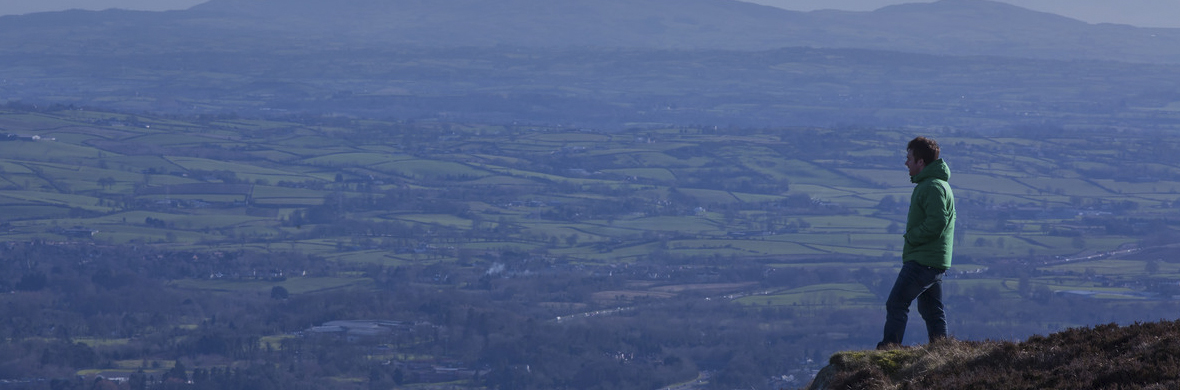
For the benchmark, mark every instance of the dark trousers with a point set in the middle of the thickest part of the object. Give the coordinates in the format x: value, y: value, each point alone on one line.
x: 915, y: 281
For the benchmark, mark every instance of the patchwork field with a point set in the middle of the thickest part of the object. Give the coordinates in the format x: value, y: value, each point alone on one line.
x: 441, y: 192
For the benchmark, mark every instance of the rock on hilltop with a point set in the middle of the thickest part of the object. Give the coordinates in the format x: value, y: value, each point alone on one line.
x: 1139, y: 356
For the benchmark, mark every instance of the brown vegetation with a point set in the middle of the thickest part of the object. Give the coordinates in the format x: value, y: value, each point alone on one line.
x: 1139, y: 356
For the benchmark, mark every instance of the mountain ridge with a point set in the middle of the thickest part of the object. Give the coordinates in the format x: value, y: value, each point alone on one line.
x: 945, y: 27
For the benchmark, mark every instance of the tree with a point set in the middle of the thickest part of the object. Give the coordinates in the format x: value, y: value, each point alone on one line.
x: 177, y: 373
x: 279, y: 292
x: 106, y: 182
x: 138, y: 381
x: 32, y: 282
x: 887, y: 203
x: 1151, y: 267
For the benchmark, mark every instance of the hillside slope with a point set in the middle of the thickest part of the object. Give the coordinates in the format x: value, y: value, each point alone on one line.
x: 1139, y: 356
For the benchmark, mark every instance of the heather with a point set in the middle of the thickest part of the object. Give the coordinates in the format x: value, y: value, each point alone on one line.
x: 1138, y: 356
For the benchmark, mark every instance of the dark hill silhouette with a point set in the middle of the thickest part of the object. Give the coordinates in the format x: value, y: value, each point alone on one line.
x: 955, y: 27
x: 970, y: 27
x: 1139, y: 356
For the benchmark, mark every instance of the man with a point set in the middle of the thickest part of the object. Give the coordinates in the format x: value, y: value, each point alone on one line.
x: 926, y: 255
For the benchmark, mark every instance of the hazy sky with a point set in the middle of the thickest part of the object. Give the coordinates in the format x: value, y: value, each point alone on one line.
x: 1145, y: 13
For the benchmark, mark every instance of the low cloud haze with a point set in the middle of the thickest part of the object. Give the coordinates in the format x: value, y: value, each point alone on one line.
x: 20, y: 7
x: 1142, y: 13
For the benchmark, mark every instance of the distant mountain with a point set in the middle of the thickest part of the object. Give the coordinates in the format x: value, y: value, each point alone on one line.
x: 608, y: 63
x: 947, y: 27
x: 975, y: 27
x: 709, y: 24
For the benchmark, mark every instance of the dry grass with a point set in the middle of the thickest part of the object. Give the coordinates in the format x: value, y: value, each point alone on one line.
x: 891, y: 369
x: 1139, y: 356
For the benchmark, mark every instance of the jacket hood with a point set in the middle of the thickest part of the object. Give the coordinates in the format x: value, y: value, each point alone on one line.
x: 936, y: 170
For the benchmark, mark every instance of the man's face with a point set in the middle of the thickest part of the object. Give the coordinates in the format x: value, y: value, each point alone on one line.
x: 914, y: 164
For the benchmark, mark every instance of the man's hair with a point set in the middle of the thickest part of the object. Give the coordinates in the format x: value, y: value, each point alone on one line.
x: 925, y: 149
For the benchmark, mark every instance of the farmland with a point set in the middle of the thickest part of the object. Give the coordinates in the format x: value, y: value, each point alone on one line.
x: 778, y: 196
x: 288, y: 223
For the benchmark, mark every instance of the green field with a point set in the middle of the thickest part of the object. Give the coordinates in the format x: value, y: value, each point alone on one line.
x: 815, y: 295
x: 586, y: 197
x: 295, y: 285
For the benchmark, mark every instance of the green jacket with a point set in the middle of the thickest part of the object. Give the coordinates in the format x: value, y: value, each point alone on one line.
x: 930, y: 225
